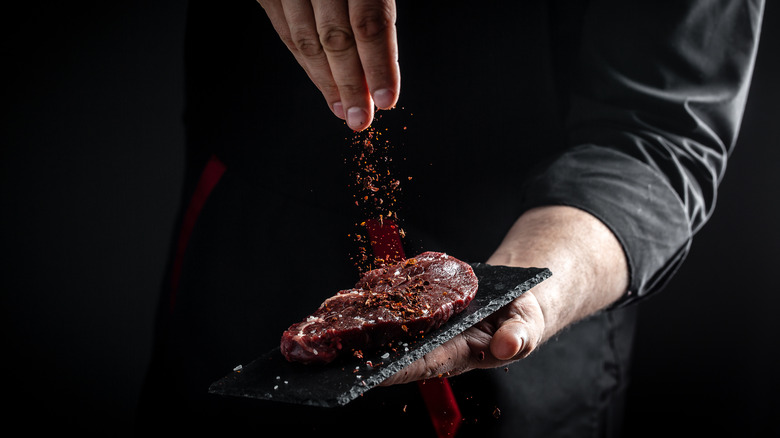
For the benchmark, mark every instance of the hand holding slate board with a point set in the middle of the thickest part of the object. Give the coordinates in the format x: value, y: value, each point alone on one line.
x: 272, y: 377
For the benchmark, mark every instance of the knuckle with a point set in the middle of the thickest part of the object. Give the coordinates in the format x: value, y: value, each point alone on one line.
x: 432, y: 368
x: 349, y: 89
x: 335, y: 39
x: 519, y: 309
x: 306, y: 42
x: 288, y: 41
x: 329, y: 89
x: 372, y: 24
x: 526, y: 308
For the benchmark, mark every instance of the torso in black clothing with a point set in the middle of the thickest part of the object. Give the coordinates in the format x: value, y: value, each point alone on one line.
x: 480, y: 109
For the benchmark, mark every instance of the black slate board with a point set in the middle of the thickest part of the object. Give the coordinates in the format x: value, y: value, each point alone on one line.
x: 272, y: 377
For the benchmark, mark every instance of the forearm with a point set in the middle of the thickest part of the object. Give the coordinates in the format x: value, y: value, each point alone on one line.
x: 589, y: 273
x: 589, y: 266
x: 655, y: 99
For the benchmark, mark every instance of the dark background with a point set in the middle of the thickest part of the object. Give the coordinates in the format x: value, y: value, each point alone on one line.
x: 91, y: 161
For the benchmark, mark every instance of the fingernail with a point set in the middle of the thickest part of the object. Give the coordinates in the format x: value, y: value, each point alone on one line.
x: 383, y: 98
x: 356, y: 118
x: 520, y: 344
x: 338, y: 110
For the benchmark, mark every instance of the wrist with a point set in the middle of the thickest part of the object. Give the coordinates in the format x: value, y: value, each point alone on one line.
x: 588, y: 264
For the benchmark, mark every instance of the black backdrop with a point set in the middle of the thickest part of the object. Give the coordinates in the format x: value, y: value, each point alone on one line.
x: 90, y: 173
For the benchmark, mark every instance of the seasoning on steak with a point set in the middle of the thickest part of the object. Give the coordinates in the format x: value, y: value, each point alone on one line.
x: 387, y: 304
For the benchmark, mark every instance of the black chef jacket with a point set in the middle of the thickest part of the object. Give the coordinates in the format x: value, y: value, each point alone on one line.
x: 627, y: 110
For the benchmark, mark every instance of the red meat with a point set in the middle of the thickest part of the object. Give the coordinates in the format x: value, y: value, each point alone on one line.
x: 387, y: 304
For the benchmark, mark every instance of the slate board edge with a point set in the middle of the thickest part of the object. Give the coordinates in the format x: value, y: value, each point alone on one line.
x: 371, y: 382
x: 444, y: 336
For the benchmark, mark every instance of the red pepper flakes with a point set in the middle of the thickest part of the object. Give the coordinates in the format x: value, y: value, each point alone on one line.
x: 375, y: 187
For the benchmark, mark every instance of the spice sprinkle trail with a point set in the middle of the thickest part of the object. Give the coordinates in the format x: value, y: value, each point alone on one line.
x: 375, y: 188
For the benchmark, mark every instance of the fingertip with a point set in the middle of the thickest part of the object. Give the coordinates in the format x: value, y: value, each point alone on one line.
x: 384, y: 98
x: 358, y: 119
x: 338, y: 110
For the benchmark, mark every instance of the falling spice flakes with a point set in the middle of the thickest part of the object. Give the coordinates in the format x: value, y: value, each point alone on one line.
x: 375, y: 188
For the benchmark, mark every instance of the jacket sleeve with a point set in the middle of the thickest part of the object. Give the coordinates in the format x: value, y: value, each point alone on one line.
x: 657, y: 96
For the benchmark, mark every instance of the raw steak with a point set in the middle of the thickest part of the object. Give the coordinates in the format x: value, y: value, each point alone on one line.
x: 387, y: 304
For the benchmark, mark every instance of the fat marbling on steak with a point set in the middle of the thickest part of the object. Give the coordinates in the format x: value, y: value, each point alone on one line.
x: 387, y: 304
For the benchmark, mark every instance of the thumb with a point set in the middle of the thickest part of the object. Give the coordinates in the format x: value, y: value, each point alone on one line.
x: 510, y: 341
x: 521, y: 332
